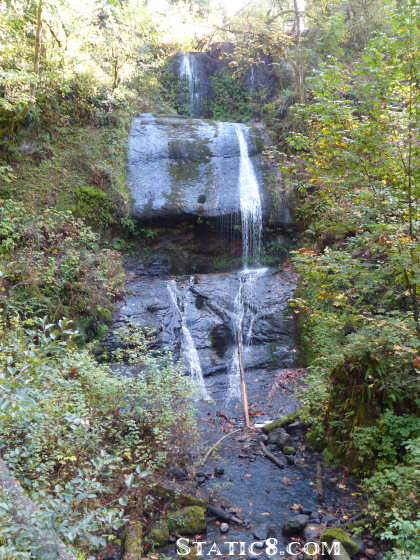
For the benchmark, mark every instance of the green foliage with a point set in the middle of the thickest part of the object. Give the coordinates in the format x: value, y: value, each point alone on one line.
x: 231, y: 102
x: 52, y: 264
x: 82, y: 441
x: 355, y: 162
x: 95, y: 207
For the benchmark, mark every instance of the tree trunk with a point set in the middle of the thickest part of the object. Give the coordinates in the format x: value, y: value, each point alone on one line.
x: 37, y: 48
x: 299, y: 73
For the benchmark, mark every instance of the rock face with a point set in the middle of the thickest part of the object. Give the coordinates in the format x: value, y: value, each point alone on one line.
x: 207, y: 303
x: 184, y: 168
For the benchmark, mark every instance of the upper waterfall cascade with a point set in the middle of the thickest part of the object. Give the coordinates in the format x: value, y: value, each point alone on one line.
x: 188, y: 74
x: 250, y: 203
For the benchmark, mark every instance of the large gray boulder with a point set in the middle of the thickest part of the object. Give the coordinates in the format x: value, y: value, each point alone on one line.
x: 180, y: 168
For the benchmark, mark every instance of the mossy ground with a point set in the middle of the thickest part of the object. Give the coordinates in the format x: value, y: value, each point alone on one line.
x: 49, y: 168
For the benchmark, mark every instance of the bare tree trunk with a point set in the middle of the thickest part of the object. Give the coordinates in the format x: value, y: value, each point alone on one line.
x: 243, y: 381
x: 299, y: 73
x: 44, y: 542
x: 37, y: 56
x: 37, y: 48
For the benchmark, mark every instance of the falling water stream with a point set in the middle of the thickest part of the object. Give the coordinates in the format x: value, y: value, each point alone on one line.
x: 188, y: 74
x: 172, y: 163
x: 251, y: 219
x: 189, y: 351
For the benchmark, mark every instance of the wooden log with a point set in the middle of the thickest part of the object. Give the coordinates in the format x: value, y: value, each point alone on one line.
x: 44, y: 542
x: 280, y: 422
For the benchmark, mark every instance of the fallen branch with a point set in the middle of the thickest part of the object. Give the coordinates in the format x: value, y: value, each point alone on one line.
x: 215, y: 446
x: 223, y: 515
x: 319, y: 485
x: 282, y: 421
x: 43, y: 542
x: 271, y: 456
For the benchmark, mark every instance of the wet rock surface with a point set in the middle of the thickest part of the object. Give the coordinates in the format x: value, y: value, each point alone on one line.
x: 180, y: 167
x: 207, y: 300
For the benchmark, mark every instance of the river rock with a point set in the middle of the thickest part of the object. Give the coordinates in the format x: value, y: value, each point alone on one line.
x: 187, y: 521
x: 175, y: 495
x: 178, y: 473
x: 263, y: 531
x: 289, y: 450
x: 279, y: 436
x: 159, y: 534
x: 224, y: 528
x: 295, y: 524
x: 337, y: 534
x: 312, y: 532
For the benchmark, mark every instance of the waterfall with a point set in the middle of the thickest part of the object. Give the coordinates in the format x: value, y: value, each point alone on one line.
x: 251, y: 218
x: 188, y: 349
x: 188, y: 74
x: 250, y: 203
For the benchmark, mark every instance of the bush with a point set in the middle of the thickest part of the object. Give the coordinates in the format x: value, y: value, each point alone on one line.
x: 95, y: 207
x: 82, y: 441
x: 52, y: 264
x: 231, y: 102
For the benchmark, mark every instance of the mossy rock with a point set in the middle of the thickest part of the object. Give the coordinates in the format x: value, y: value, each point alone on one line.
x: 336, y: 534
x: 289, y: 450
x: 178, y: 496
x: 281, y: 422
x: 187, y: 521
x: 159, y: 534
x: 133, y: 546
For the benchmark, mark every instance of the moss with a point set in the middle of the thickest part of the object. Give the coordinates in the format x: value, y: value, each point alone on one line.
x: 280, y: 422
x: 339, y: 535
x: 187, y: 521
x: 289, y: 450
x: 159, y: 534
x: 133, y: 546
x: 49, y: 174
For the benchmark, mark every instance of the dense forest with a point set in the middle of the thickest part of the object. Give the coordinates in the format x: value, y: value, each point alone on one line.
x: 335, y: 85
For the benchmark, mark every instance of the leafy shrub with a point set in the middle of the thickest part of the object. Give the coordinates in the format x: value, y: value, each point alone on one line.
x: 83, y: 441
x: 231, y: 102
x: 52, y: 264
x: 95, y: 207
x: 358, y: 294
